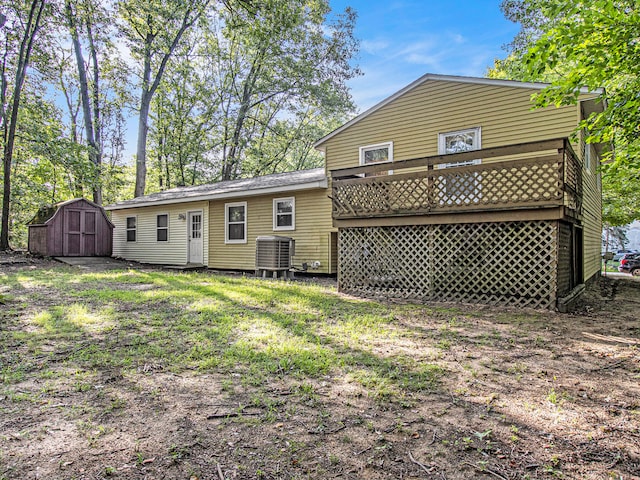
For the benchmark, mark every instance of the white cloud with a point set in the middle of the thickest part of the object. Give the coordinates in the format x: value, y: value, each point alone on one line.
x: 457, y: 38
x: 389, y: 66
x: 401, y: 40
x: 374, y: 47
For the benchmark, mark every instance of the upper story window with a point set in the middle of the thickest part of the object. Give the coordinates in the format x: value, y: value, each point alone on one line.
x: 588, y: 158
x: 587, y: 153
x: 459, y: 141
x: 460, y: 188
x: 284, y: 213
x: 131, y: 229
x: 162, y: 228
x: 378, y: 153
x: 235, y: 222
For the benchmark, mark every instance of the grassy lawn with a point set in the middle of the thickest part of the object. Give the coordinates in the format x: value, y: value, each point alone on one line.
x: 155, y: 374
x: 610, y: 266
x: 203, y: 323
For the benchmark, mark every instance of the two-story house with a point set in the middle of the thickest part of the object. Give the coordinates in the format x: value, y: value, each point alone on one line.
x: 452, y: 189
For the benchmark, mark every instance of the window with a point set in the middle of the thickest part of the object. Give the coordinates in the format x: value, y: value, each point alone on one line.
x: 379, y: 153
x: 162, y: 228
x: 196, y: 225
x: 235, y: 221
x: 588, y: 159
x: 131, y: 229
x: 461, y: 188
x: 586, y: 152
x: 284, y: 213
x: 460, y: 141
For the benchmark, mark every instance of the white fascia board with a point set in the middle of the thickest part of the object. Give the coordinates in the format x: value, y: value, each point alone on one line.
x: 444, y: 78
x: 225, y: 195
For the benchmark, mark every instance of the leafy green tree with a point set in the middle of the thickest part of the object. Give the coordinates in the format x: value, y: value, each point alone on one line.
x: 249, y: 91
x: 621, y: 195
x: 21, y: 25
x: 229, y: 88
x: 593, y: 44
x: 183, y: 115
x: 153, y: 29
x: 285, y: 66
x: 288, y: 144
x: 101, y: 82
x: 46, y: 164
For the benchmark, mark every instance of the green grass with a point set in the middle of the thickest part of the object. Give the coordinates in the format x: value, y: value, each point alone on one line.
x: 196, y: 321
x: 610, y: 266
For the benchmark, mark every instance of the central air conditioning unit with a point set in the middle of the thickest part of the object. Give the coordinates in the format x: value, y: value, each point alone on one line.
x: 273, y: 254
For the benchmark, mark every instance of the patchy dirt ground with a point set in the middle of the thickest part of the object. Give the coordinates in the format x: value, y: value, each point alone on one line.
x: 526, y: 394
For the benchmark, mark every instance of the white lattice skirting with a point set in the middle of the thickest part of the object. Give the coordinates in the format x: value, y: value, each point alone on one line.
x: 511, y: 263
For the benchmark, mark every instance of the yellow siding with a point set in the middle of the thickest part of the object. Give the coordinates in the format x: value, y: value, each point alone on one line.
x: 504, y: 114
x: 592, y: 220
x: 312, y: 233
x: 146, y: 248
x: 414, y: 120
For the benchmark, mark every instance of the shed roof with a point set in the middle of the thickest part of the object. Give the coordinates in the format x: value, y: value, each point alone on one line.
x: 46, y: 212
x: 274, y: 183
x: 441, y: 78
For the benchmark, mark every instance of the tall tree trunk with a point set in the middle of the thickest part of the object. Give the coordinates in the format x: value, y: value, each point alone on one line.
x: 149, y: 88
x: 26, y: 45
x: 230, y: 166
x: 94, y: 155
x: 143, y: 122
x: 97, y: 130
x: 75, y: 183
x: 141, y: 156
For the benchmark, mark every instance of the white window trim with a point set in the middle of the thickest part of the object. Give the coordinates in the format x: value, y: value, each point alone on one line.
x: 376, y: 146
x: 275, y: 213
x: 126, y: 228
x: 226, y: 222
x: 441, y: 147
x: 158, y: 228
x: 588, y: 157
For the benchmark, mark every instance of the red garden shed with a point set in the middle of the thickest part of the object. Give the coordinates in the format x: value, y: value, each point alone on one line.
x: 75, y: 228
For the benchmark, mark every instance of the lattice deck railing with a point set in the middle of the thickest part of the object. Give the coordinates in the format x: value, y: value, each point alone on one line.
x: 550, y: 179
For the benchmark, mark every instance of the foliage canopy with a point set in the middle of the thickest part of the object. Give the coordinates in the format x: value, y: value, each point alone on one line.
x: 222, y: 88
x: 594, y: 44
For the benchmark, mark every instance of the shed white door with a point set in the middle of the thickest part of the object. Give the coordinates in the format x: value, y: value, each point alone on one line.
x: 195, y: 237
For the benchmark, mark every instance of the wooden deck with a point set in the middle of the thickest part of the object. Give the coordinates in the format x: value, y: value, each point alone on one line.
x: 530, y: 176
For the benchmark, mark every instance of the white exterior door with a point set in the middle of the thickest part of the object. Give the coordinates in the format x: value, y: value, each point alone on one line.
x: 195, y: 237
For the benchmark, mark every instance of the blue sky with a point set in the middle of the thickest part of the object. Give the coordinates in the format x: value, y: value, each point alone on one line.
x: 401, y: 40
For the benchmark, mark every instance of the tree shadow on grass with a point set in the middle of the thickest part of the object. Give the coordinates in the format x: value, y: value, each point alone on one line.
x: 267, y: 332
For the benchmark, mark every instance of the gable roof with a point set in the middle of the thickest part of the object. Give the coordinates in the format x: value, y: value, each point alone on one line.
x: 274, y: 183
x: 441, y: 78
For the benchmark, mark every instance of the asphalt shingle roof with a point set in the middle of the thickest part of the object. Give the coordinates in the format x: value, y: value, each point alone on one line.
x: 252, y: 186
